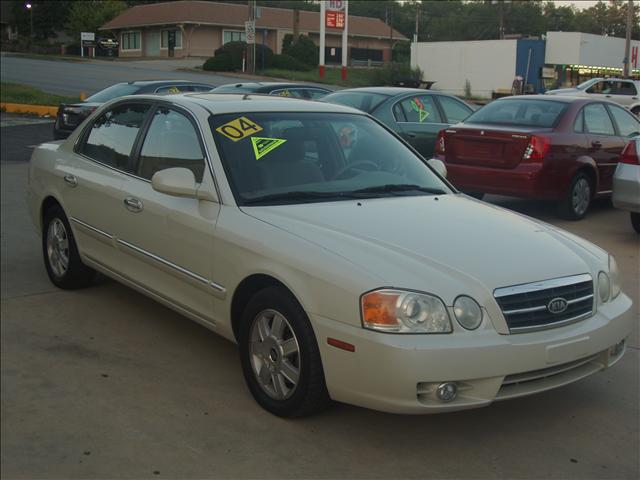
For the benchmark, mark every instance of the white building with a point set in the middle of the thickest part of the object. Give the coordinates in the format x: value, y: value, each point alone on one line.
x: 490, y: 66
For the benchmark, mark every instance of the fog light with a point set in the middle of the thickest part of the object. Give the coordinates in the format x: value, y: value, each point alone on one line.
x: 617, y: 349
x: 447, y: 392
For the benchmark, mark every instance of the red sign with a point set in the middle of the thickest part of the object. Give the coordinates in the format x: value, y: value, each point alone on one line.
x: 634, y: 57
x: 335, y: 20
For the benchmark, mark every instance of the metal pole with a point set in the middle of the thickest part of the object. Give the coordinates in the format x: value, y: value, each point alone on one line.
x: 251, y: 48
x: 627, y: 42
x: 345, y: 41
x: 415, y: 35
x: 323, y: 10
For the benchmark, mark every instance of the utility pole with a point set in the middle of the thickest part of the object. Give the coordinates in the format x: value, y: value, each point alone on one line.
x: 501, y: 17
x: 627, y: 43
x: 390, y: 20
x: 415, y: 35
x: 296, y: 25
x: 251, y: 48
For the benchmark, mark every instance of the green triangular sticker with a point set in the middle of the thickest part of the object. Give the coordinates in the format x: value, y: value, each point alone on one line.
x: 262, y: 145
x: 423, y: 115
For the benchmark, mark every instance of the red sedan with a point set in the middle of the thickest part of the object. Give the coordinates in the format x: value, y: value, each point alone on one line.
x: 562, y: 148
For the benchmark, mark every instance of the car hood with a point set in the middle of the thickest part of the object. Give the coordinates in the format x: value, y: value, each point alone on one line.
x: 447, y: 244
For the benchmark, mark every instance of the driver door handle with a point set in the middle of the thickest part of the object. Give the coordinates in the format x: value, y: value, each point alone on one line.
x: 596, y: 144
x: 133, y: 204
x: 411, y: 135
x: 71, y: 180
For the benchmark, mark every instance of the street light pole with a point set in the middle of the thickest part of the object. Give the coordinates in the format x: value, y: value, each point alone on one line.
x: 29, y: 7
x: 627, y: 43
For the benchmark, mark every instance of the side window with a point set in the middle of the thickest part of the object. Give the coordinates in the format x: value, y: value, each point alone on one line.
x: 625, y: 88
x: 597, y: 120
x: 419, y: 109
x: 171, y: 141
x: 628, y: 124
x: 315, y: 94
x: 112, y: 135
x: 288, y: 92
x: 200, y: 88
x: 603, y: 87
x: 454, y: 110
x: 172, y: 89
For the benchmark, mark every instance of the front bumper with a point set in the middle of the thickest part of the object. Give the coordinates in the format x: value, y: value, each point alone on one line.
x: 626, y: 187
x: 400, y: 373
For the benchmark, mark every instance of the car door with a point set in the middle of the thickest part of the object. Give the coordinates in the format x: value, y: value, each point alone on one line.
x: 168, y: 240
x: 453, y: 109
x: 624, y: 93
x: 418, y: 120
x: 605, y: 146
x: 94, y: 177
x: 601, y: 90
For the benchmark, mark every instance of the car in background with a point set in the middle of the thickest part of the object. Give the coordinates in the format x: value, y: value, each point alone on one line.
x: 70, y: 115
x: 371, y: 282
x: 626, y: 182
x: 618, y: 90
x: 282, y: 89
x: 563, y: 149
x: 416, y: 115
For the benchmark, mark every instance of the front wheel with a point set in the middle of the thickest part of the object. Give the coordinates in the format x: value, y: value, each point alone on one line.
x: 60, y: 252
x: 578, y: 198
x: 280, y: 356
x: 635, y: 221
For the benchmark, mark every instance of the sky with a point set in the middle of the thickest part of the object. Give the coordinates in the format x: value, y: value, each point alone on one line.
x: 580, y: 4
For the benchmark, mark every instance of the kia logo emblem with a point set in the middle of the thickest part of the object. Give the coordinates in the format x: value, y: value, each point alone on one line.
x: 557, y: 305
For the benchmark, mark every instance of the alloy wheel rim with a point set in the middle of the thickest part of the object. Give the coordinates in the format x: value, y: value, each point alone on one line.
x: 58, y: 247
x: 581, y: 196
x: 274, y: 354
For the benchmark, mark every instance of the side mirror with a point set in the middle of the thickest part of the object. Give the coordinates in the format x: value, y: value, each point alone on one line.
x: 177, y: 181
x: 438, y: 166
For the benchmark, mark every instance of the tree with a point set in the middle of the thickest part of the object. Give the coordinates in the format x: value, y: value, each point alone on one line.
x: 89, y: 16
x: 48, y: 17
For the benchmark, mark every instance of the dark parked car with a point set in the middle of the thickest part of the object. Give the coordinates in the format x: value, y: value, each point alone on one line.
x: 416, y: 115
x: 556, y: 148
x: 71, y: 115
x: 296, y: 90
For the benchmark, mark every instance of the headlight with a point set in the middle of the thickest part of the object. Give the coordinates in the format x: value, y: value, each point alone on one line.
x: 614, y: 277
x: 467, y: 312
x: 404, y: 312
x: 604, y: 287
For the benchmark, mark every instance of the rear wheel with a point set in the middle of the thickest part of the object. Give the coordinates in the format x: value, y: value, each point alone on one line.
x: 578, y: 198
x: 60, y: 252
x: 280, y: 356
x: 635, y: 221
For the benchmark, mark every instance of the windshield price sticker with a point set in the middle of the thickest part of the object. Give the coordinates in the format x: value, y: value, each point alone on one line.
x: 239, y: 128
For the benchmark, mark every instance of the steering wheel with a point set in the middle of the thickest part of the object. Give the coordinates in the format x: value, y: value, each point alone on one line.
x: 354, y: 165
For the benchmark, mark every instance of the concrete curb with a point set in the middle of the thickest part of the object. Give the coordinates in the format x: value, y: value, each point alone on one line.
x: 41, y: 110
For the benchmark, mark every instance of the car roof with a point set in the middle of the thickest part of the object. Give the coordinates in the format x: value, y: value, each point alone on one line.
x: 551, y: 98
x: 391, y: 91
x: 260, y: 85
x: 221, y: 103
x: 160, y: 83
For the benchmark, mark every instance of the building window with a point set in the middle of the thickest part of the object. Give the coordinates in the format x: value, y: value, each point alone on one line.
x: 130, y: 41
x: 164, y: 39
x: 232, y: 36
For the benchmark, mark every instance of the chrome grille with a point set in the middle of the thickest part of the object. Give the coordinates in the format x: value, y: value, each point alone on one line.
x: 526, y: 307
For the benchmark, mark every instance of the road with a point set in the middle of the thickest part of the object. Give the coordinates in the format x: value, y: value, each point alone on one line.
x: 72, y: 77
x: 106, y: 383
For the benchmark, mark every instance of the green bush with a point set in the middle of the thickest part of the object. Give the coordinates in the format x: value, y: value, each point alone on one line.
x: 219, y: 63
x: 236, y: 50
x: 392, y: 73
x: 287, y: 62
x: 304, y: 50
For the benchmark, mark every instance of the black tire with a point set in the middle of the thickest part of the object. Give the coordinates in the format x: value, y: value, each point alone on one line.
x: 573, y: 207
x: 310, y: 394
x: 636, y: 111
x: 635, y: 221
x: 76, y: 274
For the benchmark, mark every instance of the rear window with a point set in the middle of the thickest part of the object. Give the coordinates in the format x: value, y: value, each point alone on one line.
x: 364, y: 101
x: 525, y: 112
x: 114, y: 91
x: 234, y: 89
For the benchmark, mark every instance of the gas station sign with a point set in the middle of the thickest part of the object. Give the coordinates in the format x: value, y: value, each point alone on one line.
x: 335, y: 14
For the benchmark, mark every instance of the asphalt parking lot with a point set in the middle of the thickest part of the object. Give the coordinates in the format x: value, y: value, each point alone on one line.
x: 105, y: 383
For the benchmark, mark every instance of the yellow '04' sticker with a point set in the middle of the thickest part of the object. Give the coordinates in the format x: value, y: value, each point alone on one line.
x: 239, y: 128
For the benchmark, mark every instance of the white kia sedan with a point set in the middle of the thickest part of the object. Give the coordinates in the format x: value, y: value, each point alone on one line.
x: 344, y: 265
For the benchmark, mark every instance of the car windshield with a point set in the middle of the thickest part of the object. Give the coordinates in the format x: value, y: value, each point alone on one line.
x: 524, y: 112
x: 587, y: 84
x: 114, y: 91
x: 364, y: 101
x: 289, y: 158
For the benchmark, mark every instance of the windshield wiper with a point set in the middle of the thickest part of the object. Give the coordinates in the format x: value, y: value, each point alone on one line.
x: 393, y: 188
x: 300, y: 196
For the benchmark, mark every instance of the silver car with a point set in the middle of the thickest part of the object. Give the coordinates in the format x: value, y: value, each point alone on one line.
x: 621, y: 91
x: 626, y: 182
